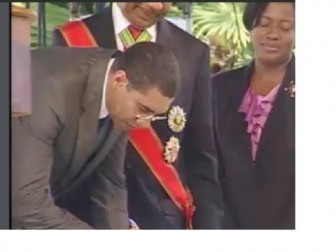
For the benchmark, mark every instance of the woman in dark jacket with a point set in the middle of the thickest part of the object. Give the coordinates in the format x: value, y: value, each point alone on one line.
x: 254, y: 109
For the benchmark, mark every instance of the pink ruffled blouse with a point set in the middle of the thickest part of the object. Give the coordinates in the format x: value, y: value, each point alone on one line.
x: 257, y: 109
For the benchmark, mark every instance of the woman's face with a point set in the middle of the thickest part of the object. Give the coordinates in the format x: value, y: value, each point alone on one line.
x: 273, y: 37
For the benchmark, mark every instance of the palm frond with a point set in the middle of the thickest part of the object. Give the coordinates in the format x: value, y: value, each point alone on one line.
x: 222, y: 21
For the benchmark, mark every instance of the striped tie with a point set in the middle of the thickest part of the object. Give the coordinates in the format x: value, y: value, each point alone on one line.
x: 132, y: 35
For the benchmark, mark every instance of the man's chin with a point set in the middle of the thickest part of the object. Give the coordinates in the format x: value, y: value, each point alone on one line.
x: 119, y: 125
x: 144, y: 22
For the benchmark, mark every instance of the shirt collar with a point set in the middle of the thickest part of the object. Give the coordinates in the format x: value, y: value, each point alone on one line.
x: 103, y: 110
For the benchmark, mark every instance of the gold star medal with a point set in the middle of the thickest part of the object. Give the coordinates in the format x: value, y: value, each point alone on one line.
x: 176, y: 119
x: 171, y: 150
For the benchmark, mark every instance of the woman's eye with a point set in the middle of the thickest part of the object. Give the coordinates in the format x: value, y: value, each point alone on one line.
x: 286, y: 26
x: 264, y: 22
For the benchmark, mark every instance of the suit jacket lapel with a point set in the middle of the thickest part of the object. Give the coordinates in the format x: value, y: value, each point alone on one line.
x: 282, y: 114
x: 102, y: 29
x: 163, y: 33
x: 239, y: 88
x: 230, y: 120
x: 88, y: 120
x: 112, y: 138
x: 239, y: 124
x: 163, y: 36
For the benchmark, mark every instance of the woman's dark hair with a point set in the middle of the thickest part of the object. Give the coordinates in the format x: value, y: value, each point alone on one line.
x: 252, y: 13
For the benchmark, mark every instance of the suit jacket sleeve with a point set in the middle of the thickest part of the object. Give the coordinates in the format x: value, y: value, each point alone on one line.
x: 217, y: 98
x: 108, y: 190
x: 33, y: 138
x: 57, y: 38
x: 199, y: 152
x: 227, y: 221
x: 219, y: 93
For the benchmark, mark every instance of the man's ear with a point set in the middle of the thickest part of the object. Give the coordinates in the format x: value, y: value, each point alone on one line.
x: 120, y: 78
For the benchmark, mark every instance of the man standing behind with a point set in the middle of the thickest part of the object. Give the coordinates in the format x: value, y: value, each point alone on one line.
x: 68, y: 156
x: 179, y: 154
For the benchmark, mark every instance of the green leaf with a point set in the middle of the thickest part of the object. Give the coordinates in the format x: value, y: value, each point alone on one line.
x: 222, y: 23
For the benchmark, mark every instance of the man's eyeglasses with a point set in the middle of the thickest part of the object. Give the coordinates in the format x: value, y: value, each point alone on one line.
x: 151, y: 118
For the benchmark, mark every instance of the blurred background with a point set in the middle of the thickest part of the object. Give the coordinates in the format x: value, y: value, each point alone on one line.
x: 217, y: 24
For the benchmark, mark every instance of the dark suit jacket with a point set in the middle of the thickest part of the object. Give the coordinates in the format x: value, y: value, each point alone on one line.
x: 149, y: 205
x: 260, y: 194
x: 51, y: 149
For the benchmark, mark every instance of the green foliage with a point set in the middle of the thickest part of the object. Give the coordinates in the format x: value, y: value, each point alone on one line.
x: 87, y: 8
x: 56, y: 14
x: 175, y: 11
x: 221, y: 26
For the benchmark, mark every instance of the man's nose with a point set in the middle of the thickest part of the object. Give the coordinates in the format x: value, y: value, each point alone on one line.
x: 273, y: 33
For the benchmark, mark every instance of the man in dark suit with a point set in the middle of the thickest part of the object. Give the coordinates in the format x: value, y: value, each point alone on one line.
x: 158, y: 199
x: 68, y: 156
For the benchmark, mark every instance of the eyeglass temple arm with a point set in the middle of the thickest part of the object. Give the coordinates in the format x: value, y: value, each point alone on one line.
x: 154, y: 118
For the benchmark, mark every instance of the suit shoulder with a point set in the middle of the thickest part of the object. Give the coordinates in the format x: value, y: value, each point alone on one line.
x: 187, y: 37
x: 222, y: 80
x: 229, y: 74
x: 69, y: 52
x: 50, y: 61
x: 61, y: 53
x: 70, y: 25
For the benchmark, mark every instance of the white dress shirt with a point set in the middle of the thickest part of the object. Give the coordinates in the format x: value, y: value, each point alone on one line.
x: 103, y: 110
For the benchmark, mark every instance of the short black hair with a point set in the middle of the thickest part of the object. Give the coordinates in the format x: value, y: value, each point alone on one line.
x: 252, y: 13
x: 150, y: 64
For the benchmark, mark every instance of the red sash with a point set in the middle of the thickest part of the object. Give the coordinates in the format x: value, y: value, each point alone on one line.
x: 145, y: 141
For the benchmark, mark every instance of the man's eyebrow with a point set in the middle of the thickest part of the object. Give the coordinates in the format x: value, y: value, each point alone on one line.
x: 145, y: 108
